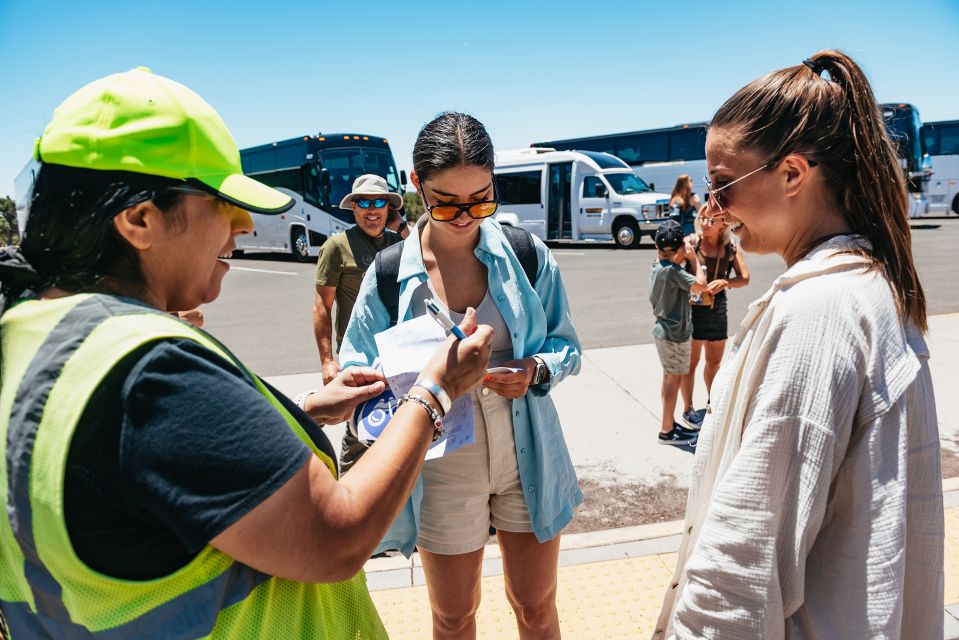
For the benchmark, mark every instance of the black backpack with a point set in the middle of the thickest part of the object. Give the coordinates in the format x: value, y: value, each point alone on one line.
x: 387, y: 265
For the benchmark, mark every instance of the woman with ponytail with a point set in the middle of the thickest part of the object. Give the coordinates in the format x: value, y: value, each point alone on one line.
x: 816, y: 507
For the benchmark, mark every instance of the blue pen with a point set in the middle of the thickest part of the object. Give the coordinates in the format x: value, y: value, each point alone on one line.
x: 444, y: 320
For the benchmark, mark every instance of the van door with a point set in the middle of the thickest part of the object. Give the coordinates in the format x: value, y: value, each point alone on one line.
x: 594, y: 206
x: 558, y: 223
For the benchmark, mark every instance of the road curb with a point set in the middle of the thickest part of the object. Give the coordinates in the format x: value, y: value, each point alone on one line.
x: 398, y: 572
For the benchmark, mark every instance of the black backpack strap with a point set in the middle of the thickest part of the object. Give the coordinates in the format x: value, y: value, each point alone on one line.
x: 387, y: 265
x: 522, y: 243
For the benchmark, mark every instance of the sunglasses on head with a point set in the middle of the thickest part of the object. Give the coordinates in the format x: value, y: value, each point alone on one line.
x: 366, y: 203
x: 449, y: 212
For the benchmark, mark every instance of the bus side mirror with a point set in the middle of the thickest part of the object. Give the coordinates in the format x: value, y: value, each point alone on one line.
x: 403, y: 178
x: 652, y: 186
x: 602, y: 191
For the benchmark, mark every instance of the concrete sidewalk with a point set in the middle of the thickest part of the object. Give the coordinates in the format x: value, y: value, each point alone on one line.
x: 610, y: 411
x: 611, y: 584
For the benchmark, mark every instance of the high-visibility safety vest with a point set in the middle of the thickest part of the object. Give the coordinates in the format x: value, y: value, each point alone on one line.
x: 55, y: 353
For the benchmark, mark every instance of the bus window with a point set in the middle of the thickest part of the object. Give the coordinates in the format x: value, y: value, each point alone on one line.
x: 519, y: 188
x: 284, y: 178
x: 948, y: 140
x: 688, y: 144
x: 291, y: 155
x: 646, y: 147
x: 344, y: 165
x: 380, y: 162
x: 929, y: 142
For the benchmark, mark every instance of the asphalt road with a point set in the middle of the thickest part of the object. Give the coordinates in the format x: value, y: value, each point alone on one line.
x: 264, y: 311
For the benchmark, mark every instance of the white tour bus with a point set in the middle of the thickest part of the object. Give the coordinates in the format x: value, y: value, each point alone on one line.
x: 942, y: 144
x: 317, y: 171
x: 576, y: 195
x: 658, y: 156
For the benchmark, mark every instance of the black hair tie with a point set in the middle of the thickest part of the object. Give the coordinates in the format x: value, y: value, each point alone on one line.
x: 816, y: 67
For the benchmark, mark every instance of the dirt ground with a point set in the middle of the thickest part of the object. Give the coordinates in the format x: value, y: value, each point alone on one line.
x: 610, y: 506
x: 950, y: 462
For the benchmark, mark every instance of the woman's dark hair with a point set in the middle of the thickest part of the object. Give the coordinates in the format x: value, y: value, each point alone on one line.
x: 837, y: 122
x: 70, y: 241
x: 450, y: 140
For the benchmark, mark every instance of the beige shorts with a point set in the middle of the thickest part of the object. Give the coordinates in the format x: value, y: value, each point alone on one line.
x: 674, y: 356
x: 474, y: 487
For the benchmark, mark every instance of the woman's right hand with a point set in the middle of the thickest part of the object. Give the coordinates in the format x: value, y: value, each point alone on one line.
x: 460, y: 365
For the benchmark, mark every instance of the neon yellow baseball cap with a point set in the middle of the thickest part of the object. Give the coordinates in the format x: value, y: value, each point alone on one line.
x: 141, y: 122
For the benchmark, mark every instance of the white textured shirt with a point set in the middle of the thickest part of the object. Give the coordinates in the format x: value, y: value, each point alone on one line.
x: 816, y: 505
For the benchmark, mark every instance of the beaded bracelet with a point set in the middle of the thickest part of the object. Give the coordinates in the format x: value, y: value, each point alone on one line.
x: 434, y: 416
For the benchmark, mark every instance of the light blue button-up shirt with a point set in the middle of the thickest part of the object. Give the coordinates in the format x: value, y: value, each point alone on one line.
x: 539, y: 323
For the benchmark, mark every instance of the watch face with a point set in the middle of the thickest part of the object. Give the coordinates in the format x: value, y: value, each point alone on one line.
x: 540, y: 374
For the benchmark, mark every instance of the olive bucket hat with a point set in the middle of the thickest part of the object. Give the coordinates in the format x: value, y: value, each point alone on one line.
x: 141, y: 122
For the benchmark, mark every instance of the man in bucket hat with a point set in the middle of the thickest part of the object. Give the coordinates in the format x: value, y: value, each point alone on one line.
x: 344, y: 259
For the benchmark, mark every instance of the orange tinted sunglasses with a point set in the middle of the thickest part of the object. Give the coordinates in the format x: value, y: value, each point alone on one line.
x: 449, y: 212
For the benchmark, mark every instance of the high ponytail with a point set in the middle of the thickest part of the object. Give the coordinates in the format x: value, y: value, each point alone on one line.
x: 836, y: 121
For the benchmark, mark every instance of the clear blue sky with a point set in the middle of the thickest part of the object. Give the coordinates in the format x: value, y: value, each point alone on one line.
x: 530, y: 71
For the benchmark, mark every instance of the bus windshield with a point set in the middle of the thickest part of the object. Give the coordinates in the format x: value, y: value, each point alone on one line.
x: 346, y: 164
x: 626, y: 183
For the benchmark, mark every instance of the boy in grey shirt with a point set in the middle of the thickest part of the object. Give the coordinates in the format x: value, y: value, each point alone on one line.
x: 669, y: 288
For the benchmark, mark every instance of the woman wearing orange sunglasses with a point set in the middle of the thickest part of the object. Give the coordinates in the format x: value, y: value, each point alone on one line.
x: 517, y: 476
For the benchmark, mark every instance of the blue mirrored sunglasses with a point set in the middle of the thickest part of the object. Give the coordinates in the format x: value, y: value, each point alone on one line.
x: 366, y: 203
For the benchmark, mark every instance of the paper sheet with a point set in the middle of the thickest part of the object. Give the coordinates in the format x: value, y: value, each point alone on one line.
x: 404, y: 351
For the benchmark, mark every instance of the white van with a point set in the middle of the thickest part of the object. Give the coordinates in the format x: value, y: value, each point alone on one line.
x: 576, y: 195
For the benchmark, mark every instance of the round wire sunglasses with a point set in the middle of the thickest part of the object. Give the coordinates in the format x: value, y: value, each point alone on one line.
x: 721, y: 200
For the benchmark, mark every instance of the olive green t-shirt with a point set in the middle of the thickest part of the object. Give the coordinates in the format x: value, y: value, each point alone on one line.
x: 344, y: 258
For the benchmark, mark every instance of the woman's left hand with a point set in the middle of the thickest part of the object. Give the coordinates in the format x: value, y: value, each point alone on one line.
x: 512, y: 385
x: 716, y: 286
x: 337, y: 399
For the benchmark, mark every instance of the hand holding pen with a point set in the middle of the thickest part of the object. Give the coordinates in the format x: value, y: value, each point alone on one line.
x: 459, y: 364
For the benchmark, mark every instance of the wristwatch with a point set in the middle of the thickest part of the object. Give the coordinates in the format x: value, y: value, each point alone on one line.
x: 438, y: 392
x: 541, y: 375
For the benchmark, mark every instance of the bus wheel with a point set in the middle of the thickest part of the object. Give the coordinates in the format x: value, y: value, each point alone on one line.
x: 955, y: 205
x: 299, y: 245
x: 626, y: 234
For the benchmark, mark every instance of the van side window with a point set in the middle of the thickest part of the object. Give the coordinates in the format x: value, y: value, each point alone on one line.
x: 592, y: 187
x: 519, y: 188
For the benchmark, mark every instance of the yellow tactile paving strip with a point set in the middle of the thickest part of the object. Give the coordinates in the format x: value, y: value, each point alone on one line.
x: 612, y: 599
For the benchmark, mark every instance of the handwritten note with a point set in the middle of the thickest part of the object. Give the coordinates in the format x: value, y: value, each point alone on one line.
x: 404, y: 351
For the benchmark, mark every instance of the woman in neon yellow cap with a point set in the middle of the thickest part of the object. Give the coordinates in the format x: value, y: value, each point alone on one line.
x: 156, y: 487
